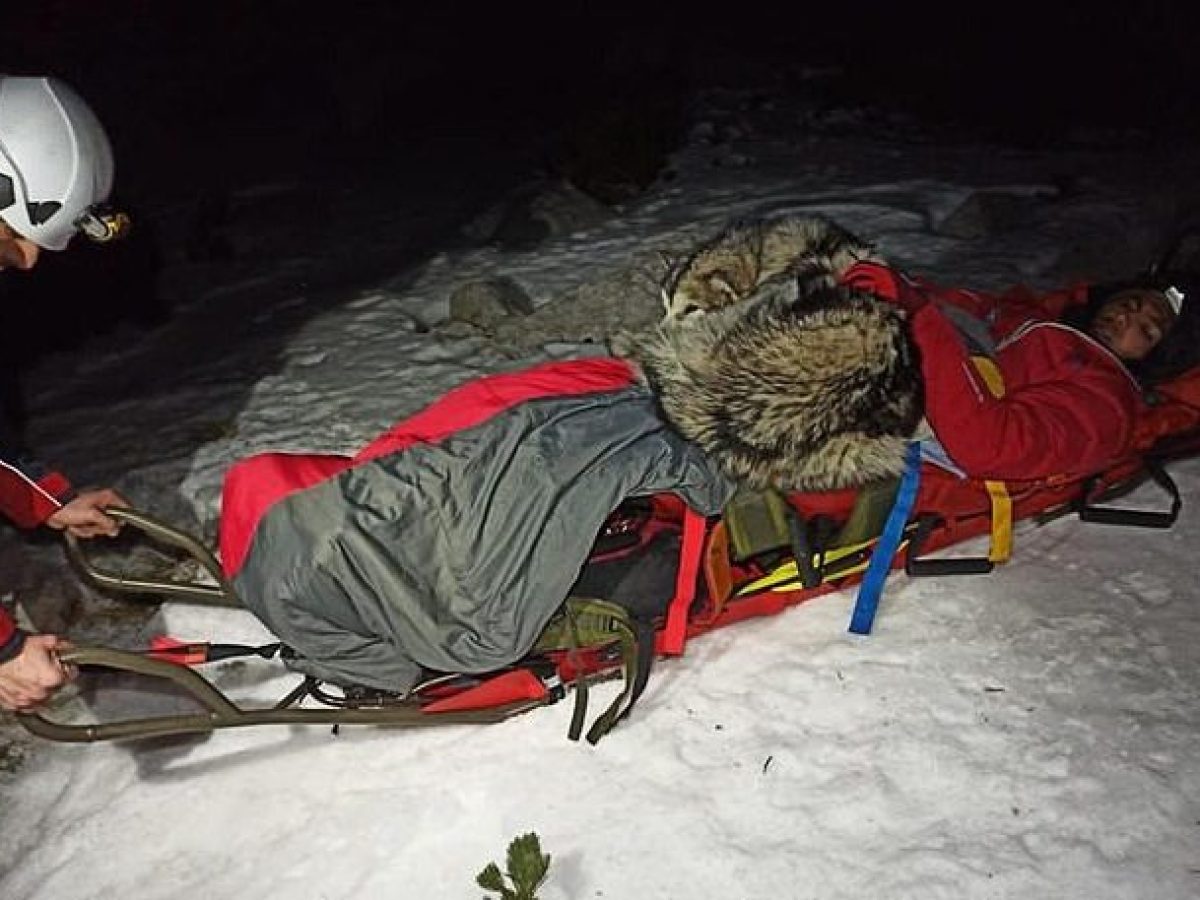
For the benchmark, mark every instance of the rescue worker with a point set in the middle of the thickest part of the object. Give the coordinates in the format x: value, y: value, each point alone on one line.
x: 56, y: 169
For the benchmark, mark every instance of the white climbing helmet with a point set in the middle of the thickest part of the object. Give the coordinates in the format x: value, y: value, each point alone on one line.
x: 55, y: 161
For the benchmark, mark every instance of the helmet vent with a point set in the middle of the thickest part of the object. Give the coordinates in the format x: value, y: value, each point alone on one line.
x: 7, y: 196
x: 40, y: 213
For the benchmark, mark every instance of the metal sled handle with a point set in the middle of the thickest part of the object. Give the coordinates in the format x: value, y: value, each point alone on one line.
x: 219, y: 709
x: 221, y: 594
x: 221, y: 712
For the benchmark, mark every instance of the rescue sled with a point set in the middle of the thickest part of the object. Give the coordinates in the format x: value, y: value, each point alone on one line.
x: 660, y: 574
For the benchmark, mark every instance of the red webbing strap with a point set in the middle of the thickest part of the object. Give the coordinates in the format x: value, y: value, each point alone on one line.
x: 691, y: 556
x: 168, y: 649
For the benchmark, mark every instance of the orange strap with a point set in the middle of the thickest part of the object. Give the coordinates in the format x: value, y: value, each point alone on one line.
x: 718, y: 577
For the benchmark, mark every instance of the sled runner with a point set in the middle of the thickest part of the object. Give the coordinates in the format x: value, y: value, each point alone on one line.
x: 220, y: 712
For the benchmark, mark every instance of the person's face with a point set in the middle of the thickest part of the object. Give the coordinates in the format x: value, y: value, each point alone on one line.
x: 15, y: 251
x: 1133, y: 322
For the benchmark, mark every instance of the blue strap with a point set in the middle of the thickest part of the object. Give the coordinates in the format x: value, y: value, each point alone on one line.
x: 887, y: 545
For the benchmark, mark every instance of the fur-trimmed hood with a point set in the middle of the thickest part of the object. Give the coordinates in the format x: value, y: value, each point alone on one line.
x: 802, y: 386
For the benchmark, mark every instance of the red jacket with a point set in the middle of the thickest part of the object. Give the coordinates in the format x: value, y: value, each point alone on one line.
x: 29, y: 495
x: 1068, y: 407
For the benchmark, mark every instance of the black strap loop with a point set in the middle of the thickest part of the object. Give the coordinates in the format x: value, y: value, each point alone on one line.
x: 1136, y: 518
x: 809, y: 541
x: 915, y: 567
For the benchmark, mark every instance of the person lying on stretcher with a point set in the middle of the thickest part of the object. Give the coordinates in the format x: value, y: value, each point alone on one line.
x: 449, y: 542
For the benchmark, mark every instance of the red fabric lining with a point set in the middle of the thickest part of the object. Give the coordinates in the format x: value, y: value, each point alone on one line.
x: 254, y: 485
x: 479, y: 400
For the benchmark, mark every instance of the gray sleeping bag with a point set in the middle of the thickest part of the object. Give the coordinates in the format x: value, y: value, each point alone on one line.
x: 453, y: 556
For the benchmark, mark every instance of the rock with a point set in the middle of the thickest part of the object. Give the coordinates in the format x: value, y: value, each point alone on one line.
x: 536, y: 213
x: 733, y: 161
x: 487, y: 301
x: 985, y: 213
x: 704, y: 131
x: 47, y: 590
x: 626, y: 298
x: 615, y: 148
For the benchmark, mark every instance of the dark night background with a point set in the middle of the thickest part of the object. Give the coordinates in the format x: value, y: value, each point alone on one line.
x: 387, y: 98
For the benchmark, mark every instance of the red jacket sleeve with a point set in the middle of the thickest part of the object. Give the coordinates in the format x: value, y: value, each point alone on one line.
x: 28, y: 495
x: 11, y: 638
x: 1005, y: 310
x: 1075, y: 424
x: 911, y: 293
x: 29, y: 492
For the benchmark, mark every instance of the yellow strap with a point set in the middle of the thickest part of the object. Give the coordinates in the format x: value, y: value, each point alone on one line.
x: 1002, y: 523
x: 787, y: 574
x: 1001, y: 548
x: 990, y: 373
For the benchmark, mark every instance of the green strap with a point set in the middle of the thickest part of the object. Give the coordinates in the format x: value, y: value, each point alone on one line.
x: 637, y: 655
x: 579, y: 711
x: 588, y: 623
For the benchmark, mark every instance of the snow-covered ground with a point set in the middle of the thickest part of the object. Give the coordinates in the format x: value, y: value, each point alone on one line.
x: 1029, y: 734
